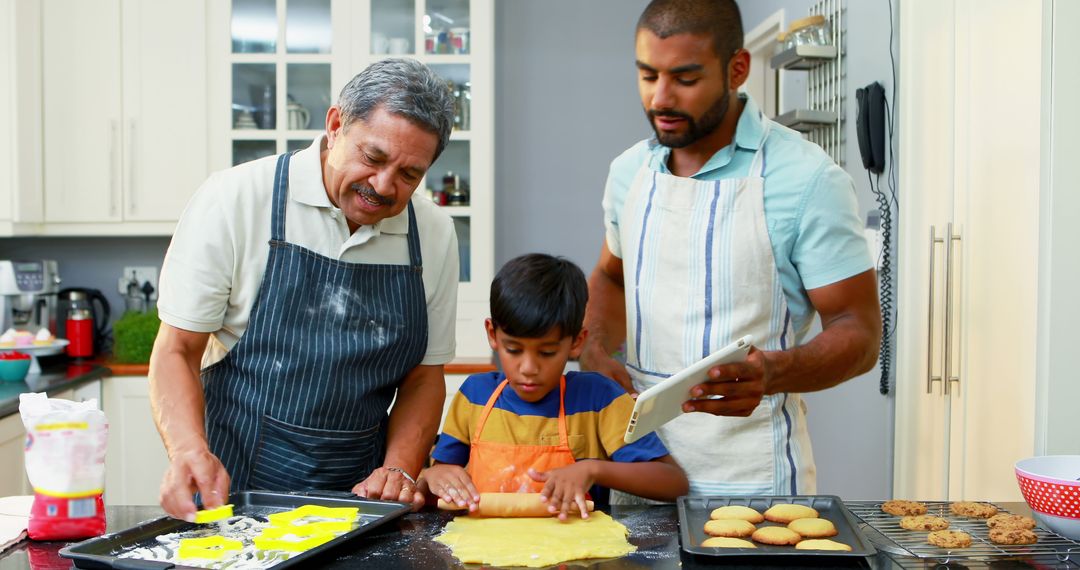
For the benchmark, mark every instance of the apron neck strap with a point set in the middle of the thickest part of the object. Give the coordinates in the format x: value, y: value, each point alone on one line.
x: 564, y: 439
x: 281, y: 197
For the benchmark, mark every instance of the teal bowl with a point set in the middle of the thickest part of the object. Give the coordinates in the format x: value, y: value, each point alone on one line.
x: 14, y: 370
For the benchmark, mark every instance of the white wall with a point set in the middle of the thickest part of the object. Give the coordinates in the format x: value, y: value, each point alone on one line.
x: 1059, y: 266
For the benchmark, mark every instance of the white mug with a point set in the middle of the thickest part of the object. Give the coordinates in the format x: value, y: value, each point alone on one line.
x: 379, y: 44
x: 399, y: 46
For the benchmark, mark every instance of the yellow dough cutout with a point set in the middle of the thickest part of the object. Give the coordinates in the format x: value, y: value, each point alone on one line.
x: 534, y: 542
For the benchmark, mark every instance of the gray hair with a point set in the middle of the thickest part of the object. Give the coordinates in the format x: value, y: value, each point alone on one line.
x: 403, y: 87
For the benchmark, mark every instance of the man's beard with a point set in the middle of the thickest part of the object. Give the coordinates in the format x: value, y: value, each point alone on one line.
x: 695, y: 129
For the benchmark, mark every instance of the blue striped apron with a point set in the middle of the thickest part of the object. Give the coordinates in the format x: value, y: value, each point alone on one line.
x: 699, y: 273
x: 300, y: 402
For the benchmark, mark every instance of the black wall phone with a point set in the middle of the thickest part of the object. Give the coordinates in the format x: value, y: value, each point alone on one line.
x: 870, y: 126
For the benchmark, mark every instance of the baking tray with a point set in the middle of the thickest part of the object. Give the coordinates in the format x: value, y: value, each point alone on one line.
x: 885, y: 531
x: 104, y: 551
x: 694, y: 513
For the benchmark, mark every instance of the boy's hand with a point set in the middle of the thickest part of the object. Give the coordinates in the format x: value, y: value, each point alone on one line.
x: 566, y: 487
x: 452, y: 484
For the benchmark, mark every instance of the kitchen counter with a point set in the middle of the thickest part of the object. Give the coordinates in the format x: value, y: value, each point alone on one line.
x: 406, y: 544
x: 57, y: 374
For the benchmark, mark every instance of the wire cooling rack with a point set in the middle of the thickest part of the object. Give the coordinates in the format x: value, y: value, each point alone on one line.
x: 913, y: 543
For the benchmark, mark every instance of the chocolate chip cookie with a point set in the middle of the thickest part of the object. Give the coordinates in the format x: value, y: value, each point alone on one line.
x: 1013, y: 536
x: 949, y: 539
x: 973, y: 510
x: 1005, y: 520
x: 924, y: 522
x: 903, y: 508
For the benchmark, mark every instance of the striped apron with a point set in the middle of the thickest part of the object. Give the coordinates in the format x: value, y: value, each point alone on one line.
x: 699, y: 273
x: 300, y: 402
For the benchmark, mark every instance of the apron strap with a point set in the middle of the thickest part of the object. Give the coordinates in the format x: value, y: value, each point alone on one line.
x: 415, y: 259
x: 564, y: 440
x: 281, y: 197
x: 487, y: 409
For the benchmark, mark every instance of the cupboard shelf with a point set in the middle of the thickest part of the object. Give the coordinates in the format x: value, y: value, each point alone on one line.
x: 806, y: 120
x: 803, y: 57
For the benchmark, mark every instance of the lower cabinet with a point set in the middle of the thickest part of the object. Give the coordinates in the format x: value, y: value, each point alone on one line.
x: 136, y: 460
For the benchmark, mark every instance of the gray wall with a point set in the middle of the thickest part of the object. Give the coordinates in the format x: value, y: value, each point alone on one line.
x: 567, y: 104
x: 96, y: 263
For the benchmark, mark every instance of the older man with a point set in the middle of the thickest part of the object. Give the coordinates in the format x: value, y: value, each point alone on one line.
x: 307, y: 290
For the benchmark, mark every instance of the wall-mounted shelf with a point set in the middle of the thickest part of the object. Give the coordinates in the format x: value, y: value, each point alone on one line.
x: 803, y: 57
x: 806, y: 120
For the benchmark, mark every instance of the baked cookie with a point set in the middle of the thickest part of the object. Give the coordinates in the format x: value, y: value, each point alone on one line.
x: 727, y: 542
x: 729, y: 527
x: 924, y: 522
x: 973, y: 510
x: 1013, y: 536
x: 737, y: 512
x: 949, y: 539
x: 1005, y: 520
x: 776, y: 536
x: 903, y: 508
x: 786, y: 512
x: 822, y: 544
x: 813, y: 528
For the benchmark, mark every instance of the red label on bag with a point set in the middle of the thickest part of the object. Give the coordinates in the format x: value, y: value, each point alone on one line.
x: 60, y: 518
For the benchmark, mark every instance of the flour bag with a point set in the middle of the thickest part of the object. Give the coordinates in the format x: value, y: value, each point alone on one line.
x: 65, y: 462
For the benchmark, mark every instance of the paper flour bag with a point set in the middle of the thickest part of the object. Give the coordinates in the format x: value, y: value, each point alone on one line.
x: 65, y: 462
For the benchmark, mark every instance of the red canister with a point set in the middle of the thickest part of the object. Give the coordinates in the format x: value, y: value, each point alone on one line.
x: 80, y: 333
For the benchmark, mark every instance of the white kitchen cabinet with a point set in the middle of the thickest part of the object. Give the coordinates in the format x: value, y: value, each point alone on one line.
x: 136, y: 458
x: 125, y: 107
x: 20, y: 116
x: 309, y: 49
x: 12, y: 444
x: 969, y: 242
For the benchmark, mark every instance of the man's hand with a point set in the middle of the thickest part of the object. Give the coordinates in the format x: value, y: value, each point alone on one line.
x: 566, y: 487
x: 594, y: 358
x: 452, y: 484
x: 741, y: 385
x: 190, y: 472
x: 388, y: 485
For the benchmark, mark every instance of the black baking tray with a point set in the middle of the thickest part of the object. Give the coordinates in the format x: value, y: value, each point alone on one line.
x: 103, y: 551
x: 694, y: 513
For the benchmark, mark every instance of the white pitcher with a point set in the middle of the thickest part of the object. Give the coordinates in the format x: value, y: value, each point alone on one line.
x: 298, y: 116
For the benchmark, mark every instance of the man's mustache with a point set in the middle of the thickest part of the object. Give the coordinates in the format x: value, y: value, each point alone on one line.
x: 669, y: 113
x: 370, y: 193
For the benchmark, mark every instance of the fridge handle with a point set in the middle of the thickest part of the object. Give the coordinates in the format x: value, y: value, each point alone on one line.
x: 930, y: 378
x: 950, y: 253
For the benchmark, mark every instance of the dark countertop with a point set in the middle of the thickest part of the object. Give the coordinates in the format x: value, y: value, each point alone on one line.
x: 58, y: 373
x: 406, y: 544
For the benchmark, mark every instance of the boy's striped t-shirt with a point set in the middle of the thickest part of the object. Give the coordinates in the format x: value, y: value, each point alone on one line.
x: 597, y: 411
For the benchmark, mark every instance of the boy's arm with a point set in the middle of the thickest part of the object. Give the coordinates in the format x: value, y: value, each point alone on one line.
x: 660, y: 479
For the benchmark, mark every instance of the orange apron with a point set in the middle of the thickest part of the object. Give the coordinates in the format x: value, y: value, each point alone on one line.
x: 503, y: 467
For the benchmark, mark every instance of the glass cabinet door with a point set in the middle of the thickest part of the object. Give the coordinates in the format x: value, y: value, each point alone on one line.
x: 279, y: 52
x: 446, y: 27
x: 393, y: 27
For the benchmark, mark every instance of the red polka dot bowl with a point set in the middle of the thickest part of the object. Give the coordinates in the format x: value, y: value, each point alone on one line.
x: 1051, y: 486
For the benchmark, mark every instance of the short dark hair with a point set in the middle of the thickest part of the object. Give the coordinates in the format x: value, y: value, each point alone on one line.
x: 533, y: 293
x: 719, y: 18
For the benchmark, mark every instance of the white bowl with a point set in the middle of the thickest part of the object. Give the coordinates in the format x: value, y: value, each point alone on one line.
x: 1051, y: 488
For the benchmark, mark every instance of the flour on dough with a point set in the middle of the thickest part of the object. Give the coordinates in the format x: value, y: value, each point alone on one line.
x: 534, y: 542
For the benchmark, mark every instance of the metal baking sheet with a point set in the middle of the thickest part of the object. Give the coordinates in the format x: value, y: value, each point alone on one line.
x: 894, y: 539
x: 105, y: 551
x: 694, y: 513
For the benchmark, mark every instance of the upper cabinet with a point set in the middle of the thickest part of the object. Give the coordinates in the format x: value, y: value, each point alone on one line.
x: 278, y: 65
x: 125, y: 107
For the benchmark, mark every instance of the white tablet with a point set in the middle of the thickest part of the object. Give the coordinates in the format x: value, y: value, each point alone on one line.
x: 663, y: 402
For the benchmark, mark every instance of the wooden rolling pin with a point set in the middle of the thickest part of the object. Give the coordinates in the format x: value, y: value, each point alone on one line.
x: 508, y: 505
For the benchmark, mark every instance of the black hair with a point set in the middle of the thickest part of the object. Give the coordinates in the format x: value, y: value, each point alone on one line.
x: 535, y: 292
x: 719, y: 18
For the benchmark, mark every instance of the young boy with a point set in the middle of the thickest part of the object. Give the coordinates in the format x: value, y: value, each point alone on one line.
x: 548, y: 433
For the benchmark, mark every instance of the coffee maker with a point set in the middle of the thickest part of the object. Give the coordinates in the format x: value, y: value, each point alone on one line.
x: 28, y: 295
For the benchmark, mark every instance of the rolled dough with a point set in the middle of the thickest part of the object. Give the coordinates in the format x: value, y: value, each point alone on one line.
x: 534, y: 542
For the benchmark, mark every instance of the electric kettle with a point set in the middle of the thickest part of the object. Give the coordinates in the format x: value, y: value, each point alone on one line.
x: 91, y: 300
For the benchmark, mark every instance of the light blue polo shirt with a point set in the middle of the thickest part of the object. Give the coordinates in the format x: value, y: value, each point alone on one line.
x: 810, y: 205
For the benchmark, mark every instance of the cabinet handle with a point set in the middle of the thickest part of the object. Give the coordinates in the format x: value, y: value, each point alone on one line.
x: 131, y: 169
x: 950, y: 254
x: 113, y: 130
x: 930, y: 378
